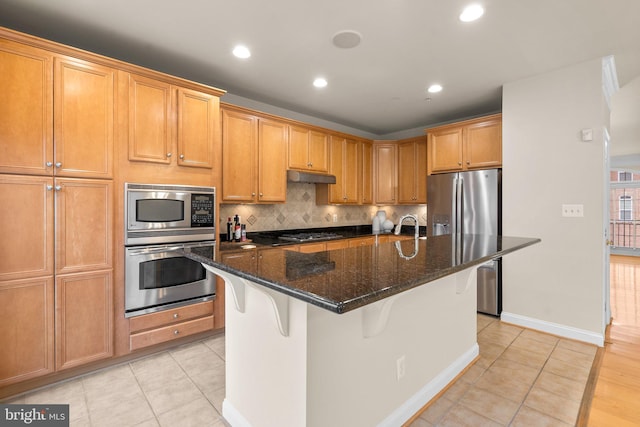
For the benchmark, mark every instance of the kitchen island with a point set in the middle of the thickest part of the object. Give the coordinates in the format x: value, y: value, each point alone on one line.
x: 351, y: 337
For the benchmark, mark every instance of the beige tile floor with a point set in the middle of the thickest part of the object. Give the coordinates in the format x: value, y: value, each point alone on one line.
x: 523, y: 378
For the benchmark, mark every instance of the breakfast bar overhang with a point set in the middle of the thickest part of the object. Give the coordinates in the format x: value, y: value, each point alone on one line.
x: 362, y: 336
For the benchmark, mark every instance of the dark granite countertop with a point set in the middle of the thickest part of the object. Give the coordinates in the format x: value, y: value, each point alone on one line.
x: 345, y: 279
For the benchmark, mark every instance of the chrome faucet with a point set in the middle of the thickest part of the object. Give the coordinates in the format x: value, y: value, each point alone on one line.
x: 410, y: 216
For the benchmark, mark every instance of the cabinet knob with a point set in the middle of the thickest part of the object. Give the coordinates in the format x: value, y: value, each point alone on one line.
x: 459, y: 163
x: 169, y: 154
x: 253, y: 194
x: 176, y: 315
x: 49, y: 164
x: 49, y: 187
x: 468, y: 162
x: 261, y: 194
x: 182, y: 156
x: 58, y: 187
x: 58, y: 164
x: 176, y: 332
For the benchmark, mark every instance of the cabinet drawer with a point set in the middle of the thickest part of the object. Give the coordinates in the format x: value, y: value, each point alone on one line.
x: 168, y: 333
x: 168, y: 317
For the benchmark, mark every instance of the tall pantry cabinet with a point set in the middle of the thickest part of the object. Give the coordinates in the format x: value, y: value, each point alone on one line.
x: 56, y: 170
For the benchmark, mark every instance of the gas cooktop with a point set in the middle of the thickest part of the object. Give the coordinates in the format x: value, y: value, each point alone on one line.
x: 307, y: 237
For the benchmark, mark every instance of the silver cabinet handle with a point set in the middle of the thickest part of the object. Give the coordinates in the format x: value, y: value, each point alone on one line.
x: 182, y: 156
x: 49, y: 187
x: 49, y: 164
x: 58, y: 164
x: 169, y: 154
x: 58, y: 187
x: 176, y: 315
x: 176, y: 332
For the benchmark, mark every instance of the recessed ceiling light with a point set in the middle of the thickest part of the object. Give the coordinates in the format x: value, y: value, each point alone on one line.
x: 435, y: 88
x: 347, y: 39
x: 471, y: 13
x: 320, y: 82
x: 241, y: 52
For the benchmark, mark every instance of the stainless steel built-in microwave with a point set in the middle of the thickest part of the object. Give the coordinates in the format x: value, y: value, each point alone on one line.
x: 156, y: 213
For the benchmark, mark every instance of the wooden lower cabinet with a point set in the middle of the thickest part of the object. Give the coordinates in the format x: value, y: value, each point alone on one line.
x: 163, y: 326
x: 26, y: 336
x: 84, y: 318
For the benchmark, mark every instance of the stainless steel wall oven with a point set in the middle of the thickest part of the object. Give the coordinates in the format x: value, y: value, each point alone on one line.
x: 159, y: 219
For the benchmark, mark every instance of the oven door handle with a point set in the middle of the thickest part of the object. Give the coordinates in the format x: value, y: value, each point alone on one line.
x: 156, y: 250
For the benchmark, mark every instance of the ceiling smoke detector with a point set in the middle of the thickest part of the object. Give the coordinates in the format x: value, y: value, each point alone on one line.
x: 347, y: 39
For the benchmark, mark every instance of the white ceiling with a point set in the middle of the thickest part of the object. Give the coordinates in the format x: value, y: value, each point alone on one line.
x: 378, y: 87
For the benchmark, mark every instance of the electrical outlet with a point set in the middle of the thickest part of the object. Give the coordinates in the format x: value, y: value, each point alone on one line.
x: 400, y: 368
x: 573, y: 210
x: 335, y: 217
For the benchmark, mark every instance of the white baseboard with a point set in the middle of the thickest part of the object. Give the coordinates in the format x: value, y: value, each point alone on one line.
x: 554, y: 328
x: 232, y: 416
x: 409, y: 408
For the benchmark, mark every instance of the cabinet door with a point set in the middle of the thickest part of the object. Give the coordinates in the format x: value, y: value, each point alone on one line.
x: 407, y: 172
x: 318, y: 151
x: 367, y: 173
x: 421, y: 171
x: 84, y: 218
x: 483, y: 145
x: 272, y: 161
x: 26, y: 248
x: 150, y: 120
x: 239, y: 150
x: 27, y: 329
x: 352, y: 171
x: 337, y: 192
x: 83, y: 119
x: 26, y: 109
x: 385, y: 184
x: 298, y: 147
x: 198, y: 127
x: 84, y: 318
x: 445, y: 150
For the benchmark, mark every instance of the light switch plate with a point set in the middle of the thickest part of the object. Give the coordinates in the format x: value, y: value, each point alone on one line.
x: 573, y: 210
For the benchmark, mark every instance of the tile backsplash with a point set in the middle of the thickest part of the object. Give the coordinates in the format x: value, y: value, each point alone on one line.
x: 301, y: 211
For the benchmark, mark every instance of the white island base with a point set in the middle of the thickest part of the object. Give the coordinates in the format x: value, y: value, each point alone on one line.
x: 290, y: 363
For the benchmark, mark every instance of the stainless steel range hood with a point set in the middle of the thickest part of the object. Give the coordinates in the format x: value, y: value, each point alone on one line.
x: 310, y: 177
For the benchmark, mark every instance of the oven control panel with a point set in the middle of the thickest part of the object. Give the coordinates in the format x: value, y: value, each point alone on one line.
x: 202, y: 210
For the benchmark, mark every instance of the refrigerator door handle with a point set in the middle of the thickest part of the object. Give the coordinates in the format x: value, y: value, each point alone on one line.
x: 459, y: 187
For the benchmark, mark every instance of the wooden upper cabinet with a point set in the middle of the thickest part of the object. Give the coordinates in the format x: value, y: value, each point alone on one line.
x: 168, y: 121
x: 27, y: 208
x: 198, y: 115
x: 83, y: 119
x: 385, y: 173
x: 272, y: 161
x: 345, y: 164
x: 239, y: 152
x: 412, y: 171
x: 254, y: 158
x: 366, y: 176
x: 26, y: 109
x: 472, y: 144
x: 483, y: 144
x: 445, y: 150
x: 308, y: 149
x: 150, y: 120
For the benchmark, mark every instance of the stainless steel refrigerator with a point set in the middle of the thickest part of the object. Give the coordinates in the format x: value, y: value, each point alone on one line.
x: 467, y: 203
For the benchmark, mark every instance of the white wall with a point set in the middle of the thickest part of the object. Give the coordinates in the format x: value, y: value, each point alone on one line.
x: 557, y: 285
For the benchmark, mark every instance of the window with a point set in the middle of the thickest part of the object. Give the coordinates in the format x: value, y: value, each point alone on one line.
x: 626, y: 208
x: 624, y: 176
